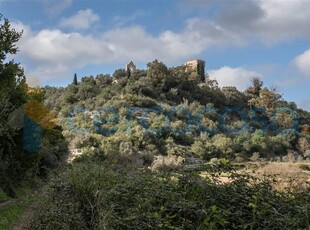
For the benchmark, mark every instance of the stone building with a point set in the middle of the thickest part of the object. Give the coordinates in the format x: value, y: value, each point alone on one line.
x: 197, y: 65
x: 130, y: 66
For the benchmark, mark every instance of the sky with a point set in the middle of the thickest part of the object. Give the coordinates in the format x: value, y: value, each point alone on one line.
x: 238, y: 39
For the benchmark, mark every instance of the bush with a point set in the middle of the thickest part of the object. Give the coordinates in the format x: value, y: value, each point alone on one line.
x: 3, y: 196
x: 305, y: 167
x: 171, y: 162
x: 255, y: 156
x: 100, y: 196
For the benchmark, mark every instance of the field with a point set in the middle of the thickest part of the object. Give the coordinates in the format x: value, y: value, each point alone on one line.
x: 285, y: 176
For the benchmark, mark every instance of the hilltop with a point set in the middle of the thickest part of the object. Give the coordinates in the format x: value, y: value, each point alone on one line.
x: 175, y: 112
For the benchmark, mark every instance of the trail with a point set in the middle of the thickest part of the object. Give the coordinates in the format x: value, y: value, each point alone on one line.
x: 6, y: 203
x: 26, y: 218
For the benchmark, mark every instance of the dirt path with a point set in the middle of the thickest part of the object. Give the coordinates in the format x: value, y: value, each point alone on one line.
x: 25, y: 220
x: 6, y: 203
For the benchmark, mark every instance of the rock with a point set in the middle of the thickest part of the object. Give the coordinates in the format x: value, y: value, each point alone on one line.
x: 167, y: 162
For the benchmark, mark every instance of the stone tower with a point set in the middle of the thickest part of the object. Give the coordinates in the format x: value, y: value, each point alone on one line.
x: 130, y: 66
x: 197, y: 65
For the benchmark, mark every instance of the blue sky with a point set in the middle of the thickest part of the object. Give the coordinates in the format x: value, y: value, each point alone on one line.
x: 238, y: 39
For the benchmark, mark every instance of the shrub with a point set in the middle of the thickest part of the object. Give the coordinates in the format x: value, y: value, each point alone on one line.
x: 255, y: 156
x: 100, y: 196
x: 171, y: 162
x: 305, y: 167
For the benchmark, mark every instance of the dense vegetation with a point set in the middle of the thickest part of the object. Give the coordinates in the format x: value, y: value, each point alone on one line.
x: 169, y: 111
x: 24, y: 123
x: 95, y: 195
x: 138, y: 133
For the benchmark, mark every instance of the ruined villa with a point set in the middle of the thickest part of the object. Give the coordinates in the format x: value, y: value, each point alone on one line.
x: 130, y: 66
x: 196, y: 65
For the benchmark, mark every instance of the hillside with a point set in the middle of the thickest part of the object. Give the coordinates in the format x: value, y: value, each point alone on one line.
x: 172, y: 112
x: 147, y: 149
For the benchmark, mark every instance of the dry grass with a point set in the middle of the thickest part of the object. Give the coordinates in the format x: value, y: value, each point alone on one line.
x: 286, y: 176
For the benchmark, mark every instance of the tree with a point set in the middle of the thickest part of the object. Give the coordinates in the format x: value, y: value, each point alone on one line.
x: 87, y: 89
x: 199, y: 148
x: 256, y: 87
x: 12, y: 96
x: 103, y: 80
x: 75, y: 82
x: 268, y: 99
x: 119, y: 73
x: 157, y: 72
x: 157, y: 69
x: 234, y: 97
x: 128, y: 73
x: 12, y: 77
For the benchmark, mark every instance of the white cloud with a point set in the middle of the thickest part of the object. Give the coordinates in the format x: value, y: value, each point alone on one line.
x: 54, y: 53
x: 55, y: 7
x: 238, y: 77
x: 84, y: 19
x: 303, y: 62
x: 284, y: 19
x: 54, y: 46
x: 249, y: 21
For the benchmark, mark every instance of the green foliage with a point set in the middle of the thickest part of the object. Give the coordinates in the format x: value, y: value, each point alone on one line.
x: 103, y: 80
x: 268, y: 99
x: 87, y: 89
x: 12, y: 95
x: 157, y: 70
x: 99, y: 196
x: 13, y: 210
x: 199, y: 148
x: 256, y: 87
x: 3, y: 196
x: 305, y: 167
x: 119, y: 73
x: 75, y: 81
x: 17, y: 100
x: 238, y: 124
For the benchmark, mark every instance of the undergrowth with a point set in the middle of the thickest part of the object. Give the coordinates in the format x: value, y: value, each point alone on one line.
x: 90, y: 195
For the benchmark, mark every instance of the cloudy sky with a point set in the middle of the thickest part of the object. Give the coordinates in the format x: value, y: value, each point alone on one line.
x: 238, y: 39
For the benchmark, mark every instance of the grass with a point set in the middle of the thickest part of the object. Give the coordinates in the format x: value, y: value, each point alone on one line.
x: 3, y: 196
x: 10, y: 214
x: 286, y: 175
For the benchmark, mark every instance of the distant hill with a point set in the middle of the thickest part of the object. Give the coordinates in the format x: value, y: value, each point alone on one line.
x: 172, y: 111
